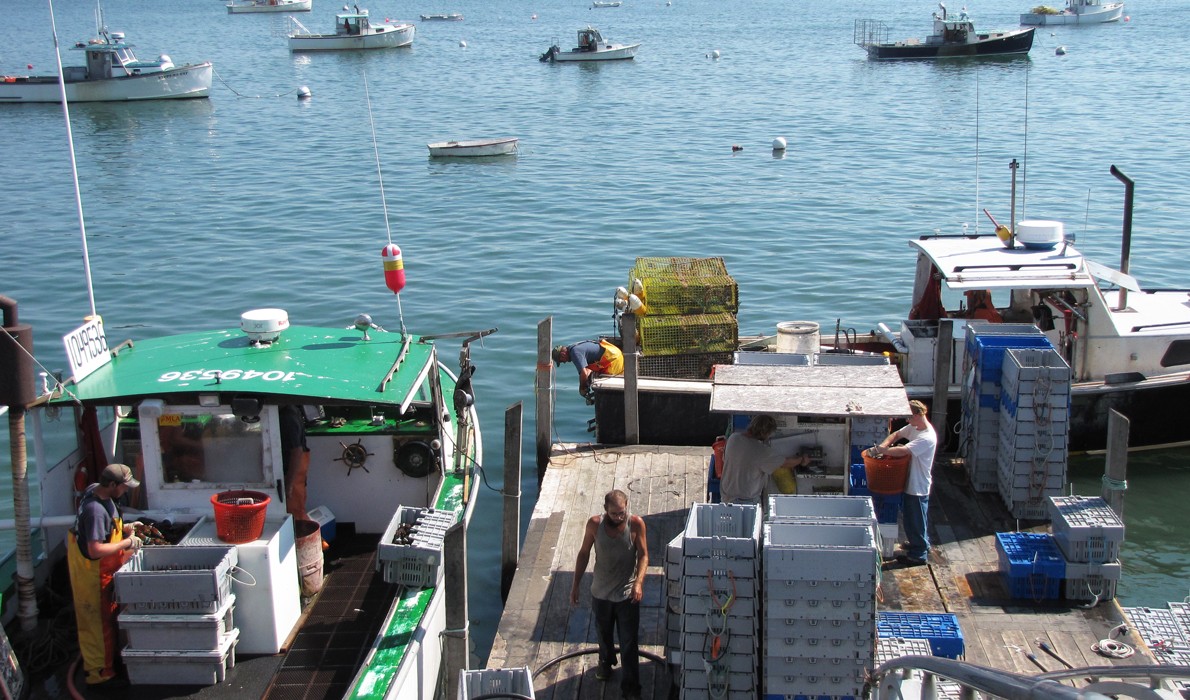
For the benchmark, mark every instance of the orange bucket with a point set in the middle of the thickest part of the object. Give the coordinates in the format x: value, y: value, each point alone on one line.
x: 239, y: 515
x: 886, y: 475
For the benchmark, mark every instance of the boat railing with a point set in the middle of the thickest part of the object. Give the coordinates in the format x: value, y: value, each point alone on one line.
x: 869, y: 32
x: 926, y: 671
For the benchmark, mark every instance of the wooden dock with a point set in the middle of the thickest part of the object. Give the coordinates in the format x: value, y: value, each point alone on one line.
x: 539, y: 625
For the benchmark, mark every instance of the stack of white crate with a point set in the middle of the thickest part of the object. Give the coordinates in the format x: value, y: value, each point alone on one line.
x: 177, y: 615
x: 1089, y: 534
x: 819, y: 584
x: 1034, y: 429
x: 673, y: 601
x: 720, y: 610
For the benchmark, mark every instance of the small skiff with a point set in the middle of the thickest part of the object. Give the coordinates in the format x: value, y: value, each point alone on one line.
x: 474, y: 148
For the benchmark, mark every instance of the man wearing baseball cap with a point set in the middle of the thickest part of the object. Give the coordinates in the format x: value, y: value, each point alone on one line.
x: 98, y: 545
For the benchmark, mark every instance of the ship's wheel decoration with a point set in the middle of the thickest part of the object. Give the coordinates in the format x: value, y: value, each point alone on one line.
x: 354, y: 456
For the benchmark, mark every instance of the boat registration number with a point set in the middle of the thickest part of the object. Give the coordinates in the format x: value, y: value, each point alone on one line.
x: 275, y: 375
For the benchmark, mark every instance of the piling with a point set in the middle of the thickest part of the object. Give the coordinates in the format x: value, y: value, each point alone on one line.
x: 631, y: 398
x: 511, y: 540
x: 543, y: 393
x: 1115, y: 474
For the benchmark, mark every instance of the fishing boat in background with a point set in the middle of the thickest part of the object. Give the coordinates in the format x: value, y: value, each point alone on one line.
x: 353, y: 30
x: 253, y: 6
x: 591, y: 47
x: 446, y: 17
x: 1075, y: 12
x: 613, y: 3
x: 474, y: 148
x: 953, y: 37
x: 112, y: 73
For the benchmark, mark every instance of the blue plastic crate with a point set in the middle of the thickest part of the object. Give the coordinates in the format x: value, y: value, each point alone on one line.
x: 941, y: 630
x: 1024, y: 554
x: 887, y: 507
x: 857, y: 481
x: 712, y: 483
x: 1033, y: 586
x: 989, y: 352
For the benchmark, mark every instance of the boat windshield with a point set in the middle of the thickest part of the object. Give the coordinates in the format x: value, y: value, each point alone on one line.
x: 211, y: 447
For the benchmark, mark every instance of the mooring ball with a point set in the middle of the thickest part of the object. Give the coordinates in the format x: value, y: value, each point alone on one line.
x: 779, y: 143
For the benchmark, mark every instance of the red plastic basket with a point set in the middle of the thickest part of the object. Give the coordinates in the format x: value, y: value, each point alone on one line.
x: 886, y: 475
x: 239, y: 515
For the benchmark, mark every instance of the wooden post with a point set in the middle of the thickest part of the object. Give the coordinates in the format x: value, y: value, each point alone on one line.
x: 457, y: 642
x: 943, y: 352
x: 631, y: 398
x: 544, y: 395
x: 511, y: 541
x: 1115, y: 473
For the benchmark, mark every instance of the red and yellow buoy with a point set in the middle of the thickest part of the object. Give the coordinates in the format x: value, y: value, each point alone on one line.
x: 394, y: 268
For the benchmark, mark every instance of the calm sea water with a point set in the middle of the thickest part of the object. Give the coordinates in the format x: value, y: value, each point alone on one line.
x: 200, y: 210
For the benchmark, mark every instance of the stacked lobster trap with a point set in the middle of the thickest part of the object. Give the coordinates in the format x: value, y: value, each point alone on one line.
x: 686, y: 310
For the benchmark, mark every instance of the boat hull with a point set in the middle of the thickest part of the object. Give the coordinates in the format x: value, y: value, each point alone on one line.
x: 1105, y: 13
x: 1002, y: 44
x: 617, y: 53
x: 179, y: 83
x: 382, y: 37
x: 253, y: 8
x: 474, y: 148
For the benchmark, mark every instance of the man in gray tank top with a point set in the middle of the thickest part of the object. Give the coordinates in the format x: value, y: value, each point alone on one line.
x: 621, y: 558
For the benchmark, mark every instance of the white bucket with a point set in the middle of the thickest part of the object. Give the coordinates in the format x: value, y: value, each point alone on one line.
x: 797, y: 336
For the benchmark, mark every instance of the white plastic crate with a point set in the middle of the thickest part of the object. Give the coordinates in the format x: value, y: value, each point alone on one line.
x: 825, y: 507
x: 739, y: 627
x: 176, y: 580
x: 889, y: 648
x: 417, y: 564
x: 704, y: 694
x: 721, y: 566
x: 696, y: 679
x: 788, y: 609
x: 1086, y: 528
x: 748, y: 643
x: 842, y: 565
x: 673, y: 551
x: 699, y: 604
x: 731, y: 662
x: 157, y: 667
x: 473, y: 684
x: 722, y: 530
x: 857, y: 647
x: 1154, y: 624
x: 722, y: 586
x: 179, y: 632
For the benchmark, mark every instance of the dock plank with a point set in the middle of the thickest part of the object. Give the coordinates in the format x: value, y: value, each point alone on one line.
x: 539, y: 624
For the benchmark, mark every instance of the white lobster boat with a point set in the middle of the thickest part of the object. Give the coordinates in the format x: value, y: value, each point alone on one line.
x: 1076, y: 12
x: 353, y: 30
x: 591, y: 47
x: 255, y: 6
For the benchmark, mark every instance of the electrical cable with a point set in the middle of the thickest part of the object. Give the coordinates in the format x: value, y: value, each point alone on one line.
x: 593, y: 650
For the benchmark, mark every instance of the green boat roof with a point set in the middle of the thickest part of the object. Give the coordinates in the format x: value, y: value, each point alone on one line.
x: 325, y: 365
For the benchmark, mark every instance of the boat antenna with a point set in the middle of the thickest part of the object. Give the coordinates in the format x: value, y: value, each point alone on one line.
x: 74, y: 170
x: 383, y: 203
x: 977, y: 207
x: 1025, y: 156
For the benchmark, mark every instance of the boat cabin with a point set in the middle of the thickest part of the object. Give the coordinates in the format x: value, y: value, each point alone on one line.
x: 589, y: 39
x: 1098, y: 318
x: 109, y: 57
x: 952, y: 31
x: 352, y: 23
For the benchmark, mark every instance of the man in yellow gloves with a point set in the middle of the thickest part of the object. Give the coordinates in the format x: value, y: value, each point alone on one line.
x: 98, y: 545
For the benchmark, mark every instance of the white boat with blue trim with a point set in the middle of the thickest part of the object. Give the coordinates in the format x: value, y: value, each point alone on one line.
x: 353, y: 30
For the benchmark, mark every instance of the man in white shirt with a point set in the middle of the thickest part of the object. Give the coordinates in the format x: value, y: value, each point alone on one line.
x: 922, y: 443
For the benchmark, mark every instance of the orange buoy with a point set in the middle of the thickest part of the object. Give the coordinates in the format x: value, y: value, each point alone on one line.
x: 394, y: 268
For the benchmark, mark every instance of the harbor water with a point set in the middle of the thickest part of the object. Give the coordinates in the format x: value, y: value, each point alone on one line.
x: 197, y: 211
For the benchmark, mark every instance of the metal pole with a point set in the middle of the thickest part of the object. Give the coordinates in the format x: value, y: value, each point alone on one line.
x: 511, y: 541
x: 543, y: 394
x: 458, y: 641
x: 1115, y: 473
x: 1126, y: 244
x: 631, y: 397
x: 943, y: 352
x: 1012, y: 206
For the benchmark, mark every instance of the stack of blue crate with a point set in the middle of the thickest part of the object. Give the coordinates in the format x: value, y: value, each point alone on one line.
x: 941, y: 630
x: 1034, y: 430
x: 720, y: 607
x: 887, y: 507
x: 986, y: 344
x: 1089, y: 534
x: 1031, y: 565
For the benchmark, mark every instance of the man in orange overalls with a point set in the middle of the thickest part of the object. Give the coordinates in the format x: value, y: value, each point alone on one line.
x: 98, y: 545
x: 590, y: 357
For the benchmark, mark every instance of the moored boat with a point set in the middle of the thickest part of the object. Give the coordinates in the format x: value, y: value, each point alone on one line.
x: 591, y: 47
x: 613, y: 3
x: 953, y: 37
x: 444, y: 17
x: 474, y: 148
x: 353, y: 30
x: 1128, y: 348
x: 112, y: 73
x: 255, y: 6
x: 1075, y: 12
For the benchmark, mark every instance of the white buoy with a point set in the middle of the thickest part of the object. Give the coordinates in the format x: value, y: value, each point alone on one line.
x: 303, y: 93
x: 1061, y: 51
x: 779, y: 143
x: 714, y: 54
x: 462, y: 43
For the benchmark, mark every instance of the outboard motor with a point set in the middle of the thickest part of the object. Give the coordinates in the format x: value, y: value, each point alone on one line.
x: 549, y: 54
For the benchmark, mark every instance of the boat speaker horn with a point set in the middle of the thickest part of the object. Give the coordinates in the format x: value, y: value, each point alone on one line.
x: 415, y: 458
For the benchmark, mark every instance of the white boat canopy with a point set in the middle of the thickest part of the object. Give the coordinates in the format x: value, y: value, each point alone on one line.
x: 989, y: 265
x: 814, y: 390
